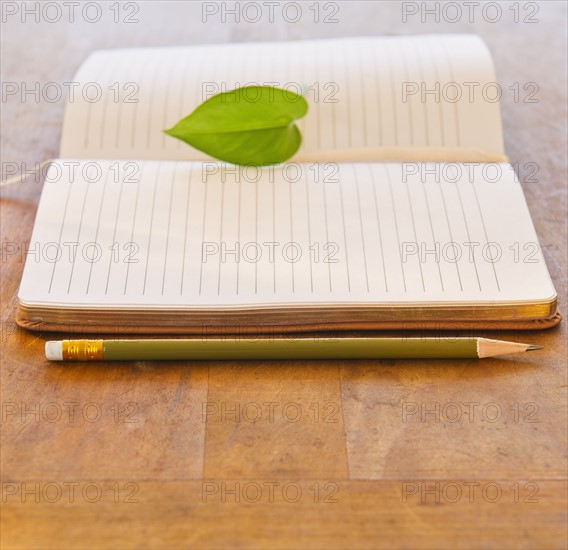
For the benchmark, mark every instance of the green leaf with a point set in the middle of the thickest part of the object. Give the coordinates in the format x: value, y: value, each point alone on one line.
x: 252, y: 126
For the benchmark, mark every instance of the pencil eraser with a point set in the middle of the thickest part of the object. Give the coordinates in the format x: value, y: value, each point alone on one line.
x: 54, y: 351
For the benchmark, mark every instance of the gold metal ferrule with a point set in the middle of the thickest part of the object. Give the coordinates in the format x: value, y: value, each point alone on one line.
x: 82, y: 350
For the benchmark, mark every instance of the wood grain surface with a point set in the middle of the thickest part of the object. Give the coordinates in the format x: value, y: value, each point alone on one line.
x: 316, y: 454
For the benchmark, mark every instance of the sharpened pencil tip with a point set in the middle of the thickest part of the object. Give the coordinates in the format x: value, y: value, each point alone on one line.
x: 533, y: 347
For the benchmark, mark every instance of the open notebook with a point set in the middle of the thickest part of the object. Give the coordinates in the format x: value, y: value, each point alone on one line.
x: 399, y: 210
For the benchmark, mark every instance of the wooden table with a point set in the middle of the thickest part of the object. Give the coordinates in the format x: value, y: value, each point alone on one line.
x: 334, y: 454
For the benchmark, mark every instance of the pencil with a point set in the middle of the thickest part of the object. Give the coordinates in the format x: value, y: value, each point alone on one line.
x: 301, y: 348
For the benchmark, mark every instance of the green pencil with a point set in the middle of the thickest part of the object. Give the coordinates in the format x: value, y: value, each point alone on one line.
x: 302, y: 348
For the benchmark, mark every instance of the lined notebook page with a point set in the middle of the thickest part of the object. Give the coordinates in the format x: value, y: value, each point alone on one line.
x: 174, y: 236
x: 398, y: 98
